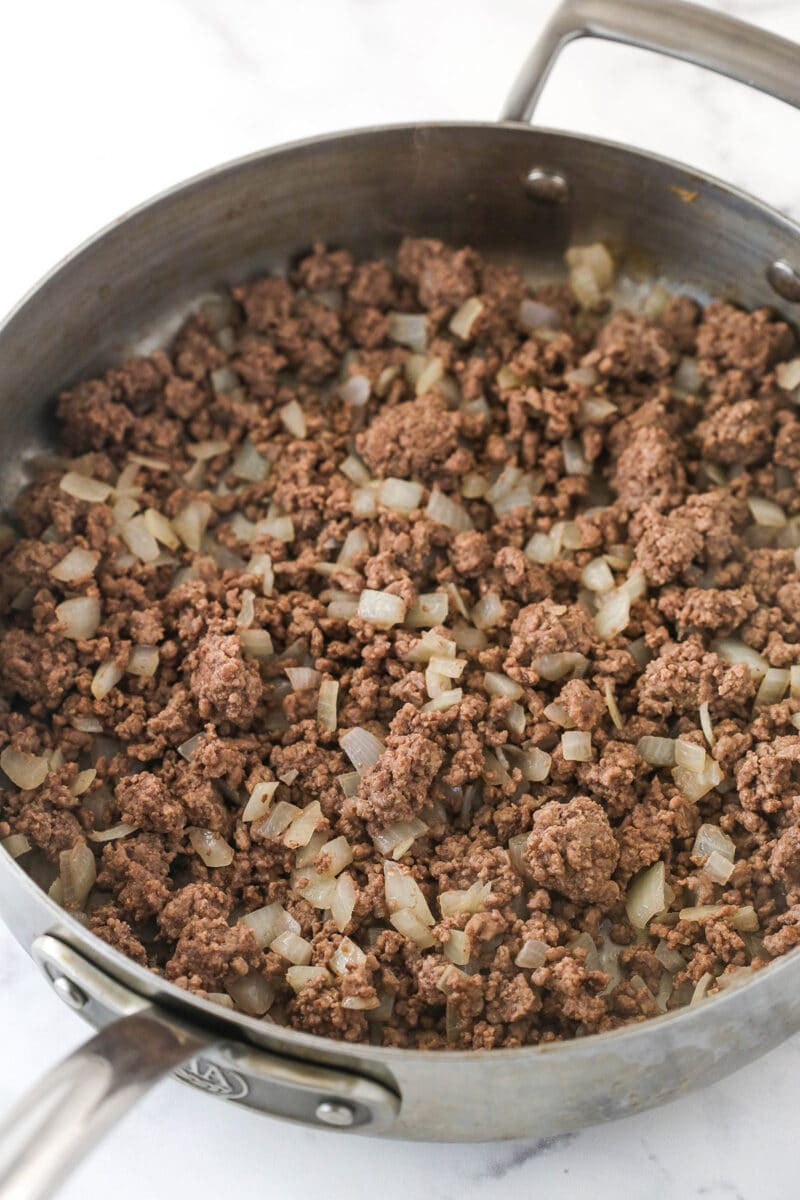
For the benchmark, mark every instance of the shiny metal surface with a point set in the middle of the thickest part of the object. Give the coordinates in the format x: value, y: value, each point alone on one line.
x: 127, y: 290
x: 695, y: 35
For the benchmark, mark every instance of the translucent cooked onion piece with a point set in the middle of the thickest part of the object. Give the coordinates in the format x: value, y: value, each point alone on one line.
x: 657, y: 751
x: 711, y: 839
x: 347, y: 954
x: 292, y: 946
x: 533, y: 763
x: 75, y: 565
x: 431, y: 645
x: 497, y: 684
x: 696, y: 784
x: 717, y: 867
x: 400, y: 495
x: 304, y: 826
x: 191, y: 522
x: 77, y: 872
x: 259, y: 801
x: 362, y: 748
x: 26, y: 771
x: 211, y: 847
x: 93, y: 491
x: 251, y: 993
x: 394, y: 840
x: 409, y: 329
x: 766, y: 512
x: 381, y: 609
x: 705, y: 724
x: 614, y: 614
x: 79, y: 617
x: 734, y: 652
x: 533, y: 315
x: 269, y: 922
x: 106, y: 677
x: 471, y: 900
x: 302, y: 678
x: 430, y: 609
x: 596, y: 576
x: 457, y: 948
x: 532, y: 955
x: 576, y: 746
x: 113, y: 833
x: 690, y: 755
x: 403, y: 892
x: 443, y: 701
x: 338, y: 854
x: 408, y: 923
x: 463, y: 319
x: 648, y: 895
x: 488, y: 612
x: 16, y: 844
x: 257, y: 642
x: 299, y: 977
x: 355, y: 390
x: 612, y: 706
x: 344, y: 901
x: 326, y: 704
x: 293, y: 419
x: 773, y: 687
x: 202, y: 451
x: 430, y: 374
x: 788, y: 374
x: 446, y: 511
x: 558, y: 666
x: 249, y: 465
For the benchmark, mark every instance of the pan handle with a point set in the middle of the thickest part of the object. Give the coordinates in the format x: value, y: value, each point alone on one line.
x: 55, y: 1125
x: 684, y: 31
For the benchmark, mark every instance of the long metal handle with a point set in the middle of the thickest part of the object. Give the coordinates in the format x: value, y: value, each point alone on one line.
x: 684, y: 31
x: 72, y: 1107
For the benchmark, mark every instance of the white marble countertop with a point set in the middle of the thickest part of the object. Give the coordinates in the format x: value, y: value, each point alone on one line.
x: 107, y: 104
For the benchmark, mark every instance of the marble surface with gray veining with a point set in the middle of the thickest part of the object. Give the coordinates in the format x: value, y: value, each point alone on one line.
x: 105, y: 104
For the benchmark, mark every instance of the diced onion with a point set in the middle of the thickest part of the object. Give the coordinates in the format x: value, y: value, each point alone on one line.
x: 532, y: 955
x: 693, y: 784
x: 773, y: 687
x: 257, y: 642
x: 648, y: 895
x: 766, y: 512
x: 190, y: 523
x: 445, y: 511
x: 500, y: 685
x: 657, y: 751
x: 299, y: 977
x: 113, y: 833
x: 464, y: 318
x: 160, y: 528
x: 576, y: 746
x: 201, y: 451
x: 613, y: 615
x: 430, y: 609
x: 344, y: 902
x: 574, y: 460
x: 596, y: 576
x: 76, y: 564
x: 443, y: 701
x: 398, y: 837
x: 251, y: 993
x: 106, y: 677
x: 717, y: 867
x: 354, y: 470
x: 557, y: 666
x: 612, y: 706
x: 260, y: 800
x: 534, y: 315
x: 362, y: 748
x: 710, y: 839
x: 690, y: 755
x: 349, y: 782
x: 291, y: 946
x: 382, y: 609
x: 261, y: 564
x: 303, y: 827
x: 211, y: 847
x: 94, y: 491
x: 409, y: 329
x: 276, y: 821
x: 16, y: 845
x: 456, y: 948
x: 400, y: 495
x: 79, y: 617
x: 249, y: 464
x: 534, y: 763
x: 733, y: 651
x: 408, y: 923
x: 224, y: 381
x: 403, y: 892
x: 472, y: 900
x: 429, y: 376
x: 705, y: 724
x: 293, y: 419
x: 488, y: 612
x: 788, y: 374
x: 302, y: 678
x: 558, y: 714
x: 326, y: 704
x: 77, y: 872
x: 26, y: 771
x: 187, y: 748
x: 269, y: 922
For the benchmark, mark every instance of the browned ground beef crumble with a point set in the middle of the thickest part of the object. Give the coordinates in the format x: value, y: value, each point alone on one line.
x: 513, y: 768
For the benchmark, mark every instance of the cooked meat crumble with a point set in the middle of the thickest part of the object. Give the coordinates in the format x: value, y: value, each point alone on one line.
x: 412, y: 656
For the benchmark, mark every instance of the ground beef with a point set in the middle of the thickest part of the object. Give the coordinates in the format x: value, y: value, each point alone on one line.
x: 570, y: 568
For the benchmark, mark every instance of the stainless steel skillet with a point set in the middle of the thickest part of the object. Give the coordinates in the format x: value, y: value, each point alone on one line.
x: 513, y: 192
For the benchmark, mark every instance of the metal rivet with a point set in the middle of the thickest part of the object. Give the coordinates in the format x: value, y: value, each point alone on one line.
x: 69, y: 992
x: 335, y: 1112
x: 546, y: 186
x: 784, y: 279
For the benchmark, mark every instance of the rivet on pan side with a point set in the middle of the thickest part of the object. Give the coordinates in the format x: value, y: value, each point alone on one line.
x: 335, y: 1112
x: 69, y: 992
x: 784, y: 279
x: 546, y: 186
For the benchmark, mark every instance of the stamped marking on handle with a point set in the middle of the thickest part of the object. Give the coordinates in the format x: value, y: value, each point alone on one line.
x: 211, y: 1078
